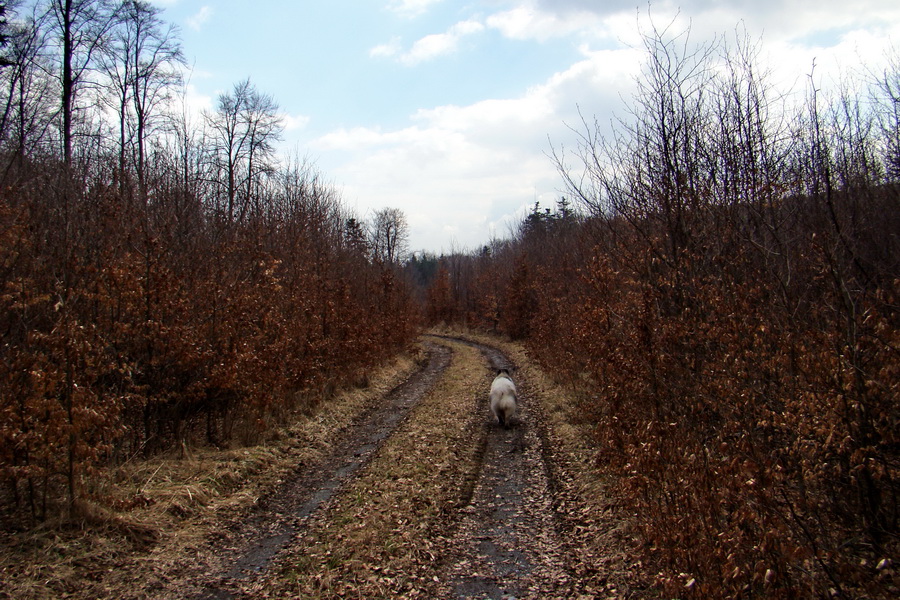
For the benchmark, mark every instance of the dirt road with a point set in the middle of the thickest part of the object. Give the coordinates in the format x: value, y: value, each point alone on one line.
x: 425, y: 496
x: 415, y: 492
x: 274, y: 523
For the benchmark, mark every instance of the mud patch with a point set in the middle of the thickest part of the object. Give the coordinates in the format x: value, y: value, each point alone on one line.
x: 505, y: 545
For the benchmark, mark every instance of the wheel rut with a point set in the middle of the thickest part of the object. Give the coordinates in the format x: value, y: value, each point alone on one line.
x: 249, y: 549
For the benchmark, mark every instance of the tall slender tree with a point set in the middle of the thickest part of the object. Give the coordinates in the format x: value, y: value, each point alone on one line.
x: 81, y: 28
x: 27, y: 93
x: 243, y: 130
x: 156, y: 58
x: 141, y: 62
x: 4, y: 36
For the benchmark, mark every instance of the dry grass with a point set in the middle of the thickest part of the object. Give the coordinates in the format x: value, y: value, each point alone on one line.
x: 154, y: 511
x: 377, y: 540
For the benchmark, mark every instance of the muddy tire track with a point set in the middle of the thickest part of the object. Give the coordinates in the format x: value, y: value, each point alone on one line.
x: 505, y: 542
x: 250, y: 548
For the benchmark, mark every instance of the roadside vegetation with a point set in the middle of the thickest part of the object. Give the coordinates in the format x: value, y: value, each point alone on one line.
x: 168, y: 507
x: 164, y: 283
x: 720, y: 287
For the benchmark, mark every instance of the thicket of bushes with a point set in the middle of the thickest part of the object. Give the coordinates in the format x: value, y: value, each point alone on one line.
x: 162, y: 283
x: 130, y: 327
x: 726, y: 301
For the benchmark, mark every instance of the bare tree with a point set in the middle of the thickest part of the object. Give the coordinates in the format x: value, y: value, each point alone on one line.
x: 887, y: 101
x: 243, y: 130
x: 157, y: 57
x: 141, y: 62
x: 185, y: 145
x: 653, y: 173
x: 4, y: 32
x: 114, y: 62
x: 389, y: 235
x: 263, y: 127
x: 81, y: 28
x: 27, y: 90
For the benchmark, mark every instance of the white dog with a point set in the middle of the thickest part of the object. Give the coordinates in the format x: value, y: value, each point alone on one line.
x: 503, y: 397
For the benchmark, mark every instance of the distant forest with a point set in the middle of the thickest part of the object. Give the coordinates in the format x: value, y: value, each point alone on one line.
x: 719, y: 285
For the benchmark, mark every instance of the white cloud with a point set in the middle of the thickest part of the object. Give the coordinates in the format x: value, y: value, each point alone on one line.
x: 196, y: 102
x: 200, y: 17
x: 527, y: 22
x: 450, y: 184
x: 430, y: 46
x: 392, y: 48
x: 463, y: 174
x: 294, y: 122
x: 411, y: 8
x: 617, y: 20
x: 440, y: 44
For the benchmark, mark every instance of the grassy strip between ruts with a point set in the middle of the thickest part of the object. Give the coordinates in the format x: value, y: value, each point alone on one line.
x: 379, y: 538
x: 181, y: 500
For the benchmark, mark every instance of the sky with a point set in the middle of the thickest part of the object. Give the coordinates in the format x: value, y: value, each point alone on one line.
x: 449, y: 110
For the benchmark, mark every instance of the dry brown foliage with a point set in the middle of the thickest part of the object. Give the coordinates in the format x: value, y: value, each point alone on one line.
x: 130, y: 328
x: 727, y: 307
